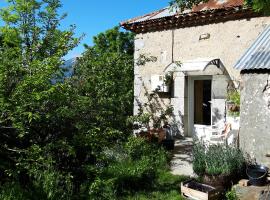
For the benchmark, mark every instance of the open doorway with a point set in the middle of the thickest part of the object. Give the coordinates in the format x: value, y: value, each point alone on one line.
x: 202, y: 99
x: 199, y: 104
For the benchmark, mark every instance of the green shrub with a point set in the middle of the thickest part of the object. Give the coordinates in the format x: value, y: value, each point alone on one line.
x: 102, y: 190
x: 156, y: 195
x: 234, y: 96
x: 12, y: 191
x: 133, y: 165
x: 42, y: 177
x: 137, y: 147
x: 44, y: 185
x: 52, y: 185
x: 132, y: 175
x: 217, y: 160
x: 166, y: 178
x: 165, y: 187
x: 231, y: 195
x: 199, y: 159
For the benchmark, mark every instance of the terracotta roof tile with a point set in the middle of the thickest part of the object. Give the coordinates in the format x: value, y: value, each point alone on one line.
x: 165, y: 12
x: 213, y: 11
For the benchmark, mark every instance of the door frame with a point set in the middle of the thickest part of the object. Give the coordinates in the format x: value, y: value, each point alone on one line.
x: 191, y: 125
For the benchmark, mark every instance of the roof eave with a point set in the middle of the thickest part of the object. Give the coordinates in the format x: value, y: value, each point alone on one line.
x: 190, y: 19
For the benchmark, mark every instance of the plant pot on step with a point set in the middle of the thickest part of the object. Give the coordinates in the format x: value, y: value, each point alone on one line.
x: 168, y: 144
x: 232, y: 107
x: 159, y: 133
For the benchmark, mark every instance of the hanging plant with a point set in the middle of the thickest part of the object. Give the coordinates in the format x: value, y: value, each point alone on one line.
x: 168, y: 79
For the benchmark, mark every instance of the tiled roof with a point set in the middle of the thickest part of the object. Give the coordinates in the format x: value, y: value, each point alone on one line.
x: 212, y: 11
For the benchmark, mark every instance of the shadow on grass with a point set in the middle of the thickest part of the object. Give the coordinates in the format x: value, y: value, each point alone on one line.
x: 166, y: 186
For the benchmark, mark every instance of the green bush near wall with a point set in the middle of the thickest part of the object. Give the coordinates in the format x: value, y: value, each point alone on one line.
x: 217, y: 160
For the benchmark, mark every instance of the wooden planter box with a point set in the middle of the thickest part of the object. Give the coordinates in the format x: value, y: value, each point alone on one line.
x: 199, y: 191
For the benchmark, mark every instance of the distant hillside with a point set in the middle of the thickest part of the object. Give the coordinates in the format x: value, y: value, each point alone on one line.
x: 69, y: 67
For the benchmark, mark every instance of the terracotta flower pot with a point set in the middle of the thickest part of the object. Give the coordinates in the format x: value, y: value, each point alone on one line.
x: 233, y: 107
x: 160, y: 133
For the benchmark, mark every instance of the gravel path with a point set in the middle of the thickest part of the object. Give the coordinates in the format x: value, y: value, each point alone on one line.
x: 181, y: 163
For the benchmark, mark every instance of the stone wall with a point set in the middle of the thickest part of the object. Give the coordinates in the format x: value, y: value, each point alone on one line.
x: 227, y: 41
x: 255, y: 116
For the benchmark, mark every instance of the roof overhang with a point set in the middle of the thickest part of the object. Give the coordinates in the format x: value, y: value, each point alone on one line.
x: 198, y: 65
x: 189, y: 19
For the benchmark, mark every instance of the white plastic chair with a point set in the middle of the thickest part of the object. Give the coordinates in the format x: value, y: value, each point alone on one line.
x: 219, y: 133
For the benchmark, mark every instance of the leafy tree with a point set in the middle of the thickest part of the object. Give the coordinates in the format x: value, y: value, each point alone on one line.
x: 52, y: 129
x: 185, y: 4
x: 33, y: 116
x: 103, y: 86
x: 104, y: 78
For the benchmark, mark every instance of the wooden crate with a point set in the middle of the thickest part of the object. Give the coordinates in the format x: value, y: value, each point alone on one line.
x: 199, y: 191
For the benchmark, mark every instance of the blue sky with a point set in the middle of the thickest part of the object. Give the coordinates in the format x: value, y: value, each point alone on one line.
x: 94, y: 16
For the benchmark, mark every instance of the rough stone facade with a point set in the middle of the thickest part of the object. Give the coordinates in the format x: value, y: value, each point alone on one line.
x: 255, y: 116
x: 226, y: 41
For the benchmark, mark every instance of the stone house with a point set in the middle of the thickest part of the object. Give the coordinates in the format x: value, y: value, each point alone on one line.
x: 208, y: 41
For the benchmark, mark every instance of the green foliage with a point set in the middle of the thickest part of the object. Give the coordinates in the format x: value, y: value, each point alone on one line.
x: 137, y: 147
x: 32, y: 108
x: 152, y: 114
x: 104, y: 80
x: 231, y: 195
x: 27, y: 96
x: 262, y: 6
x: 234, y: 99
x: 234, y: 96
x: 185, y: 4
x: 143, y: 119
x: 168, y: 78
x: 53, y: 129
x: 156, y: 195
x: 12, y: 191
x: 234, y: 114
x: 128, y: 168
x: 102, y: 189
x: 114, y: 41
x: 50, y: 184
x: 65, y: 138
x: 166, y: 186
x: 257, y: 5
x: 199, y: 159
x: 217, y: 160
x: 143, y: 59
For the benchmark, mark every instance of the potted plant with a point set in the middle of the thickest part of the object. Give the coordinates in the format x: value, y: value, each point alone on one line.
x: 140, y: 125
x: 168, y: 81
x: 233, y: 102
x: 154, y: 125
x: 218, y: 165
x: 168, y: 142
